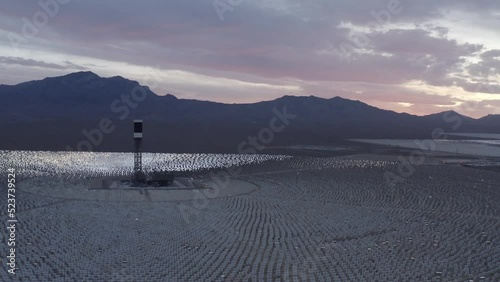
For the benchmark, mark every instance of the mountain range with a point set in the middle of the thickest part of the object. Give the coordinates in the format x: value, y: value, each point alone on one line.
x: 53, y: 113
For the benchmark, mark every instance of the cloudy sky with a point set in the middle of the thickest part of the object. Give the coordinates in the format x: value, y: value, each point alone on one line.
x: 419, y: 57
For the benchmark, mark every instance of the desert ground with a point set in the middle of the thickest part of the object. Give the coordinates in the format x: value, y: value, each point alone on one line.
x: 295, y: 219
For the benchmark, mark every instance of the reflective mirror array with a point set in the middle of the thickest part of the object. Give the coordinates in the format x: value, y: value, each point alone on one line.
x: 95, y: 164
x: 311, y: 219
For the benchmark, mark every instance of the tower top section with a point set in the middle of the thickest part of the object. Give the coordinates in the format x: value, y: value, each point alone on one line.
x: 138, y: 128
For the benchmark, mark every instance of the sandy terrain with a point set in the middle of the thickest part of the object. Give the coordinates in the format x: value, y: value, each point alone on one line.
x: 311, y: 219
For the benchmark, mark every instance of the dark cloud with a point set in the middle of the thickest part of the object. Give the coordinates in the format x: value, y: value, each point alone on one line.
x: 41, y: 64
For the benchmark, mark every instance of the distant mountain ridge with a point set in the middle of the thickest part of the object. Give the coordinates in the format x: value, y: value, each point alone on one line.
x: 55, y: 110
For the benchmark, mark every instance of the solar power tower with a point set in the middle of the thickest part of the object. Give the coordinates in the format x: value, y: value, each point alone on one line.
x: 138, y: 176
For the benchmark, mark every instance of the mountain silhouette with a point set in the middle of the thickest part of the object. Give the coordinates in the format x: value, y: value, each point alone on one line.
x: 51, y: 114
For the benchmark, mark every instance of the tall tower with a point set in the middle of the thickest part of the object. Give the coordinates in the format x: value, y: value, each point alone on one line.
x: 138, y: 176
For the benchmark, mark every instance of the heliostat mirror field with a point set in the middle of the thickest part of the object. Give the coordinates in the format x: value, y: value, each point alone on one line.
x: 308, y: 219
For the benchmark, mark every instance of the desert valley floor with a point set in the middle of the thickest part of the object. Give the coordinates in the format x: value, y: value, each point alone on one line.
x: 307, y: 219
